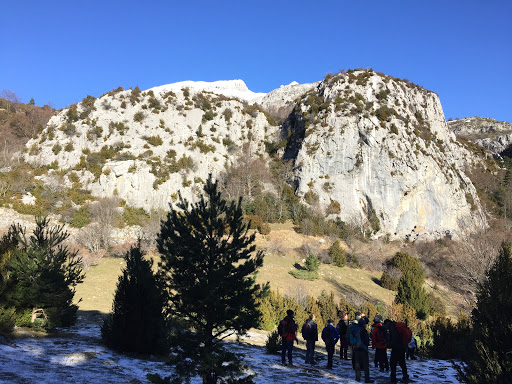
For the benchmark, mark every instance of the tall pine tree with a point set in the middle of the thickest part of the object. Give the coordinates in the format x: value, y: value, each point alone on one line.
x: 137, y: 322
x: 491, y: 360
x: 208, y: 265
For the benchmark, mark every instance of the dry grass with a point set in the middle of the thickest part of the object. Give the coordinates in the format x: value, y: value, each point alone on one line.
x: 97, y: 290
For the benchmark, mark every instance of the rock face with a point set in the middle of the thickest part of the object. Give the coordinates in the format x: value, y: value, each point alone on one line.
x: 376, y: 151
x: 494, y: 135
x: 369, y: 149
x: 147, y: 146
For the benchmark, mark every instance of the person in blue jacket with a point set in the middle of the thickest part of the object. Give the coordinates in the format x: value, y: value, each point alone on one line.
x: 330, y: 336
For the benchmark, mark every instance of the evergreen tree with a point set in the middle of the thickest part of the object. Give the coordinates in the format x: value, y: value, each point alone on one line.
x: 208, y: 265
x: 491, y: 360
x: 7, y: 318
x: 410, y: 286
x: 312, y: 263
x: 411, y: 292
x: 42, y: 274
x: 137, y: 322
x: 337, y: 254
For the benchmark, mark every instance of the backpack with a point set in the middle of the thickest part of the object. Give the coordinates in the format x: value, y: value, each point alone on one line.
x: 281, y: 327
x: 385, y: 335
x: 341, y: 327
x: 306, y: 330
x: 355, y: 336
x: 404, y: 333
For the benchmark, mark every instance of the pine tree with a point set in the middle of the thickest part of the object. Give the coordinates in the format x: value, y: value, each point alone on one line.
x: 410, y: 286
x: 338, y: 254
x: 137, y: 322
x: 491, y: 360
x: 43, y: 274
x: 208, y: 265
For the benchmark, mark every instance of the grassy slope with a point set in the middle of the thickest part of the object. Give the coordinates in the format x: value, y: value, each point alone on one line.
x: 97, y: 290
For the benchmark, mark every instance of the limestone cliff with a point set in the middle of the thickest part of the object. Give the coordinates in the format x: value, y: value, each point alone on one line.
x: 370, y: 149
x: 147, y: 146
x: 376, y: 151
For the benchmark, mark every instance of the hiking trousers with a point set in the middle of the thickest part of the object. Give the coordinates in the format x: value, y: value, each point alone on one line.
x: 310, y: 351
x: 343, y: 348
x: 398, y: 357
x: 287, y: 347
x: 330, y: 353
x: 361, y: 361
x: 381, y: 358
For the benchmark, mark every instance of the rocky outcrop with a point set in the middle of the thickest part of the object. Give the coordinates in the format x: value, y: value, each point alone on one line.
x: 376, y: 151
x: 370, y: 149
x: 147, y: 146
x: 494, y: 135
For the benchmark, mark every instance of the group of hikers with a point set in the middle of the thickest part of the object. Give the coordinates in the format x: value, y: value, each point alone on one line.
x: 384, y: 334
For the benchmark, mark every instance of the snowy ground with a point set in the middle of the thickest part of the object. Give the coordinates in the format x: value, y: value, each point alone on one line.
x: 77, y: 356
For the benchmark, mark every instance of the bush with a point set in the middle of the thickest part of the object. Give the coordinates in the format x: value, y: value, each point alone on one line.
x: 264, y: 229
x: 135, y: 216
x: 304, y: 274
x: 450, y: 340
x: 81, y: 217
x: 389, y: 282
x: 312, y: 263
x: 338, y: 254
x: 274, y: 342
x: 139, y: 117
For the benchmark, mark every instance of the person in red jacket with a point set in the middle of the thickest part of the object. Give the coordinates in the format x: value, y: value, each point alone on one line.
x: 288, y: 331
x: 379, y: 342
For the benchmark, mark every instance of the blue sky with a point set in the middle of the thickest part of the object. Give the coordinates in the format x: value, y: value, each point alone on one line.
x: 59, y: 51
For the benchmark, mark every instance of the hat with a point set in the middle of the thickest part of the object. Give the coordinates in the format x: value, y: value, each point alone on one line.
x: 377, y: 319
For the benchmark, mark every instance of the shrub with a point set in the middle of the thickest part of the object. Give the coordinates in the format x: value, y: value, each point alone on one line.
x: 389, y: 282
x: 264, y: 229
x: 304, y: 275
x: 69, y: 146
x: 56, y: 149
x: 154, y: 140
x: 338, y: 254
x: 81, y: 217
x: 274, y: 343
x: 450, y: 340
x: 333, y: 208
x: 312, y: 263
x: 135, y: 216
x: 138, y: 117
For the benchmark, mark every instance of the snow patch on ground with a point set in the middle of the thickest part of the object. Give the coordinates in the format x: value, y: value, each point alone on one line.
x: 77, y: 356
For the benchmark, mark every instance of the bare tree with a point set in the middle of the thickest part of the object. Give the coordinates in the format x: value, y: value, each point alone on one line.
x: 13, y: 100
x: 104, y: 213
x: 473, y: 255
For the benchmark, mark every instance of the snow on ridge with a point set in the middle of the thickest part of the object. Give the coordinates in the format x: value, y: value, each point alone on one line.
x: 229, y: 88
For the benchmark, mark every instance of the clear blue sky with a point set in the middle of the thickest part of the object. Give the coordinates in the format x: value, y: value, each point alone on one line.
x: 60, y: 51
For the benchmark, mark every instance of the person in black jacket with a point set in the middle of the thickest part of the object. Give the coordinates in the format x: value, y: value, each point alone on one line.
x: 342, y: 328
x: 310, y: 334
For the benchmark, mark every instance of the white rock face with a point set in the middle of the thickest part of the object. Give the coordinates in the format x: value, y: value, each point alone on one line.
x: 368, y: 148
x: 380, y: 147
x: 494, y: 135
x: 147, y: 146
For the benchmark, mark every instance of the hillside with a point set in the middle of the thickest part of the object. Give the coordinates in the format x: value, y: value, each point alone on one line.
x: 19, y: 122
x: 369, y: 149
x: 496, y: 136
